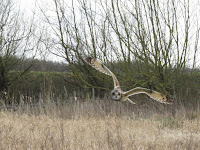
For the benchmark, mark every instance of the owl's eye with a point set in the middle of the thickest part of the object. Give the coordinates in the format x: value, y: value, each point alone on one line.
x: 113, y: 93
x: 118, y: 94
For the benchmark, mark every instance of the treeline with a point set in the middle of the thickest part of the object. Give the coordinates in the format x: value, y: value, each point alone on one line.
x: 52, y: 79
x: 41, y: 65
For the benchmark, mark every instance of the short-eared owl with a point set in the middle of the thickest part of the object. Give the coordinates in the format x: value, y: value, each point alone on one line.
x: 117, y: 94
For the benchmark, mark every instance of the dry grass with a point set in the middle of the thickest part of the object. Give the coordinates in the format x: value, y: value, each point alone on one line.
x: 99, y: 125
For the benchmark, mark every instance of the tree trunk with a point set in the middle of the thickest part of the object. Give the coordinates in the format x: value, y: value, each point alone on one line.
x: 3, y: 80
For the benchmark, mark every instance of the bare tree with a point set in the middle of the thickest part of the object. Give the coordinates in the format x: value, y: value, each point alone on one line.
x: 17, y: 40
x: 145, y: 42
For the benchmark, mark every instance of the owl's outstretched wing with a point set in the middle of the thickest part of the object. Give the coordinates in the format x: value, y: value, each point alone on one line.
x: 102, y: 68
x: 153, y: 94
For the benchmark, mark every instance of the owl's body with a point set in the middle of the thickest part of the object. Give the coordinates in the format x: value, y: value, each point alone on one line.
x: 117, y: 94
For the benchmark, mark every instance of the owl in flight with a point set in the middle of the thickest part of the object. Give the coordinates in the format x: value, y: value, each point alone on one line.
x: 117, y: 94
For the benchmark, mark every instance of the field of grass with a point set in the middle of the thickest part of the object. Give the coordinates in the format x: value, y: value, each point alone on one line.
x: 100, y: 124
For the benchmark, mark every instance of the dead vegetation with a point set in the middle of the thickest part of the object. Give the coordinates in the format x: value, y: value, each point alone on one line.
x: 100, y: 124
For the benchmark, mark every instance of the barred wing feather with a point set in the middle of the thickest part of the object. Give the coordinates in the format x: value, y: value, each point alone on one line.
x: 151, y: 93
x: 102, y: 68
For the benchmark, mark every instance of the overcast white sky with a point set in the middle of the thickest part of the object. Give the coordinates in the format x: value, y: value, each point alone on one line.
x: 29, y: 5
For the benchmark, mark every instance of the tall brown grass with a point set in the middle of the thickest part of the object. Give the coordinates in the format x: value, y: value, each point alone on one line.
x: 100, y: 124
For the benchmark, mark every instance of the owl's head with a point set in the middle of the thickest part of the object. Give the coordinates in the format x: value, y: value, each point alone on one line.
x: 116, y: 94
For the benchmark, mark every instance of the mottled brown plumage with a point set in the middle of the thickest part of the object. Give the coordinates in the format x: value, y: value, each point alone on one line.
x: 119, y: 95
